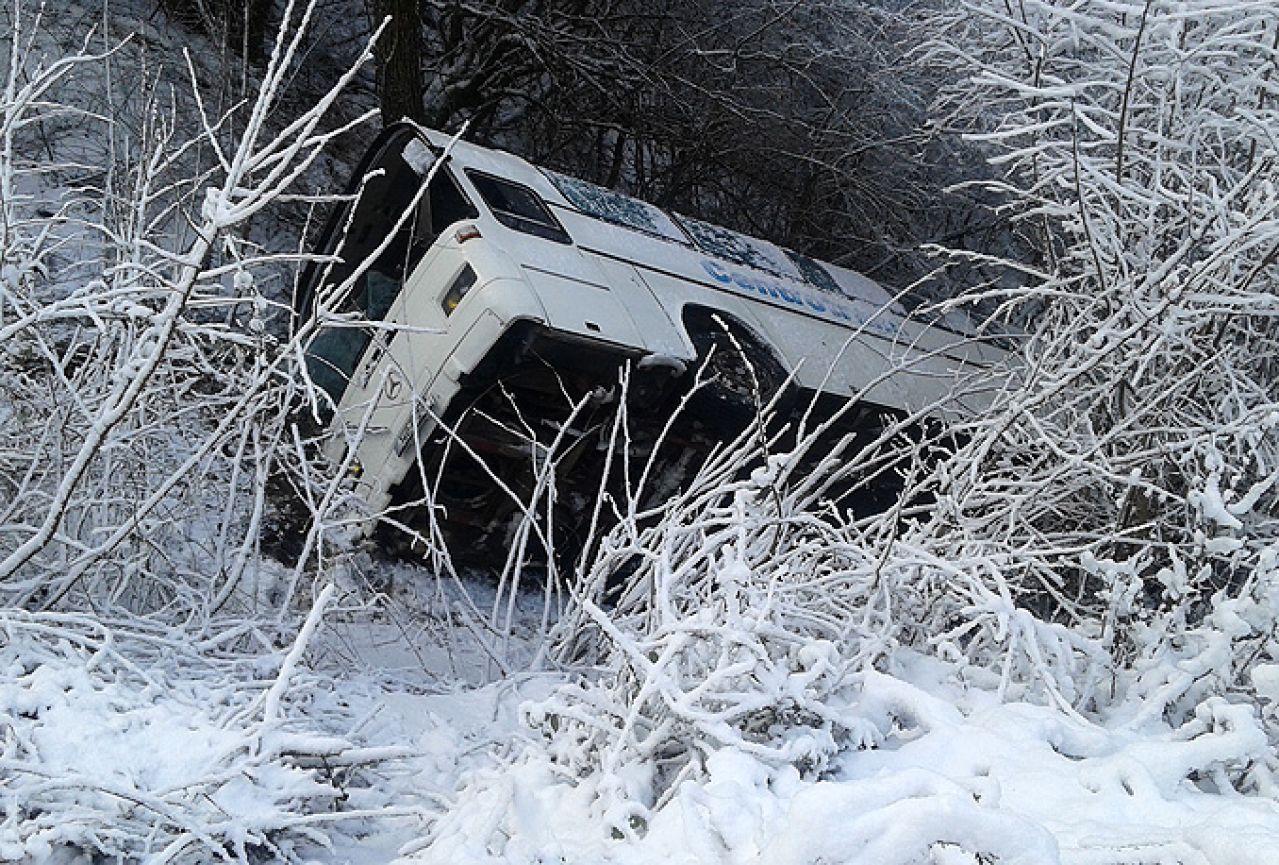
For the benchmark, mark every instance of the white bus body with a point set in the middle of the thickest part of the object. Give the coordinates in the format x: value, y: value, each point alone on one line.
x: 605, y: 275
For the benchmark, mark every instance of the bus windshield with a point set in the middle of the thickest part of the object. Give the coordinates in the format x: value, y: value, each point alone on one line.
x: 390, y: 196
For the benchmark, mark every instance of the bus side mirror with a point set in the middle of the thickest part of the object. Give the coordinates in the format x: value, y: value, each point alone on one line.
x: 418, y: 156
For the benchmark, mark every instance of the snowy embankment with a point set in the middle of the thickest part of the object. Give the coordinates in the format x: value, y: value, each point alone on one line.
x: 147, y: 749
x: 724, y: 715
x: 953, y: 774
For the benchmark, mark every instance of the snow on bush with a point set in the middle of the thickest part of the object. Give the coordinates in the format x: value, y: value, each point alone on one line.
x: 1136, y: 473
x: 738, y: 614
x: 143, y: 394
x: 749, y: 678
x: 140, y: 746
x: 143, y: 407
x: 952, y: 773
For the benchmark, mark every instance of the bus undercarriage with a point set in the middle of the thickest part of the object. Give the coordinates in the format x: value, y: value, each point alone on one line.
x: 553, y: 438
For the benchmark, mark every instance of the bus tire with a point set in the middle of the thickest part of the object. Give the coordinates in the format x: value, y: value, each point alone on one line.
x: 738, y: 375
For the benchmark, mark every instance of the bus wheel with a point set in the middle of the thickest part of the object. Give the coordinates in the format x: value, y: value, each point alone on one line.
x: 739, y: 376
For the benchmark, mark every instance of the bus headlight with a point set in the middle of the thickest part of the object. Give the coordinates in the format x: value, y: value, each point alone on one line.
x: 462, y: 283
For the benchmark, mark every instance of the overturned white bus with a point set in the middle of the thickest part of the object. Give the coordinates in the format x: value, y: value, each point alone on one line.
x: 471, y: 308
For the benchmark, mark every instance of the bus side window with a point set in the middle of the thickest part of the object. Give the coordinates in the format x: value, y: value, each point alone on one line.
x: 518, y: 207
x: 814, y: 273
x: 443, y: 205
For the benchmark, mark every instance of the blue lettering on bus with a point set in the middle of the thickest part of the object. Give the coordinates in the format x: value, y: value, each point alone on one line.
x: 779, y: 291
x: 841, y: 312
x: 719, y: 273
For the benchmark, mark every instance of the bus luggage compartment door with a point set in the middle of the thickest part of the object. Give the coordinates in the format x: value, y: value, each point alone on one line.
x: 657, y: 329
x: 583, y: 308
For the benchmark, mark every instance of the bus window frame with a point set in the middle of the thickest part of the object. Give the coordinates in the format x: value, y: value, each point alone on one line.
x: 551, y: 230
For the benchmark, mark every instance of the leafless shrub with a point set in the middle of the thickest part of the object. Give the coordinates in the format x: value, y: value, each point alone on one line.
x: 145, y: 396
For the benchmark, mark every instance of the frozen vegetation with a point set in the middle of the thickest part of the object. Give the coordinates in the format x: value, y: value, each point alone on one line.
x: 1062, y: 644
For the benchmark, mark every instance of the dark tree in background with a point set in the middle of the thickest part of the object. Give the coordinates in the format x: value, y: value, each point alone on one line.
x: 239, y: 26
x: 795, y: 121
x: 398, y: 58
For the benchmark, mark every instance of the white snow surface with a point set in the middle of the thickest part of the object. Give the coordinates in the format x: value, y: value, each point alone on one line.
x: 418, y: 765
x: 959, y: 776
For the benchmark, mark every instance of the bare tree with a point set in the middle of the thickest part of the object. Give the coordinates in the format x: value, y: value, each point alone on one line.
x: 143, y: 396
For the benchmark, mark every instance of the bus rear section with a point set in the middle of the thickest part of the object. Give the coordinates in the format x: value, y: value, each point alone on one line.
x: 492, y: 350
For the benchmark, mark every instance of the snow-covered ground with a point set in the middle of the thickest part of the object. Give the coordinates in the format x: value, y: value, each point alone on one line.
x: 373, y: 739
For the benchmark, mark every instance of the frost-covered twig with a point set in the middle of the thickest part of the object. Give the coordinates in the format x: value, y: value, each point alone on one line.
x: 124, y: 334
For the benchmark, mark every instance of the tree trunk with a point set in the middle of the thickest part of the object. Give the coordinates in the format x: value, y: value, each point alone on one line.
x: 398, y: 56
